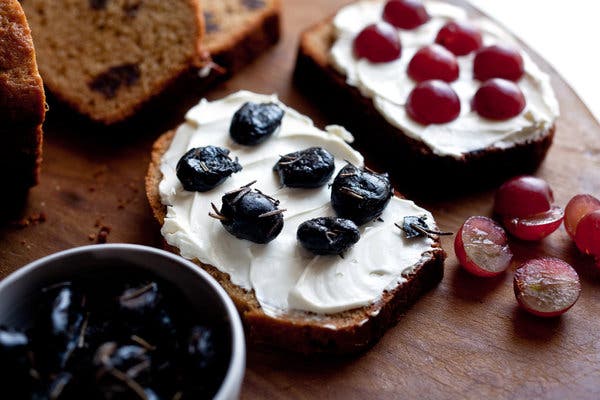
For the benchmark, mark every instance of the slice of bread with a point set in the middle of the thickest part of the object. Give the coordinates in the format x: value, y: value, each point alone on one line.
x: 106, y: 58
x: 411, y: 162
x: 238, y: 30
x: 345, y: 332
x: 22, y: 102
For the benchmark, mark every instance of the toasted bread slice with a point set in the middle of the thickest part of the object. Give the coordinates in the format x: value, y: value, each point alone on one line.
x: 344, y: 332
x: 411, y: 162
x: 22, y: 101
x: 239, y: 30
x: 107, y: 58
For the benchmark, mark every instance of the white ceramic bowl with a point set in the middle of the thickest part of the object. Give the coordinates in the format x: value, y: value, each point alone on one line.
x: 22, y: 287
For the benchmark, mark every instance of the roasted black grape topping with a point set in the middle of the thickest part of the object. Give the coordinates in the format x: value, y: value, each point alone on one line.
x: 204, y: 168
x: 253, y: 123
x: 250, y: 214
x: 308, y: 168
x: 112, y: 339
x: 416, y: 226
x: 328, y: 235
x: 360, y: 194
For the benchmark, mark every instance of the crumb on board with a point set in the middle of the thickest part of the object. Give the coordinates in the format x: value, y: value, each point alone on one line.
x: 32, y: 219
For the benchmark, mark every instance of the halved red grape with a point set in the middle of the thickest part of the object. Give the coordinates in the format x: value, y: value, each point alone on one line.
x: 577, y: 208
x: 523, y: 196
x: 482, y: 248
x: 535, y: 227
x: 498, y: 61
x: 498, y: 99
x: 587, y: 234
x: 461, y: 38
x: 378, y: 43
x: 546, y: 287
x: 433, y: 62
x: 433, y: 102
x: 405, y: 14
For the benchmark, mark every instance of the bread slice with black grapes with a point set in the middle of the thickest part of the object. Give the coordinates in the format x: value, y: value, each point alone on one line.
x: 372, y: 99
x: 22, y: 103
x: 106, y: 58
x: 287, y: 296
x: 237, y: 31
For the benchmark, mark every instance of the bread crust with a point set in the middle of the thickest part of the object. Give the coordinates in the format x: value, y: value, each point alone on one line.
x: 342, y: 333
x: 395, y: 151
x: 22, y: 101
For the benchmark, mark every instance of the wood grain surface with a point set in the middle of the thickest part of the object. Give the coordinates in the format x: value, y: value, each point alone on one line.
x: 465, y: 339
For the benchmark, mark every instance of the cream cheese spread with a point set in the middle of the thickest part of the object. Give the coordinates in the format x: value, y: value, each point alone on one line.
x: 388, y: 84
x: 283, y: 275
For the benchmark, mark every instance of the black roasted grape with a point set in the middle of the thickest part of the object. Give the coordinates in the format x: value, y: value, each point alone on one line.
x: 203, y: 168
x: 253, y: 123
x: 308, y: 168
x: 359, y: 194
x: 250, y: 214
x: 328, y: 235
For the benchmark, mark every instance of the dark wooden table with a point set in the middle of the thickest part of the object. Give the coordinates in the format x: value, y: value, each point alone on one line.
x: 465, y: 339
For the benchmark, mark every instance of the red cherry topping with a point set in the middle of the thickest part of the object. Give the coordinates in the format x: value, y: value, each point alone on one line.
x: 498, y: 99
x: 378, y: 43
x: 461, y: 38
x: 498, y: 61
x: 405, y: 14
x: 523, y: 196
x: 546, y: 287
x: 481, y: 247
x: 577, y: 208
x: 433, y: 62
x: 433, y: 102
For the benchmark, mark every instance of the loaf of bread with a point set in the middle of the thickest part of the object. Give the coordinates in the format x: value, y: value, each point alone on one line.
x: 239, y: 30
x: 337, y: 330
x: 410, y: 160
x: 106, y: 58
x: 22, y: 102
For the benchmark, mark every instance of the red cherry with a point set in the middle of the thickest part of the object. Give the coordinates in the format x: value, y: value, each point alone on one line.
x: 498, y: 99
x: 587, y: 235
x: 535, y: 227
x: 498, y: 61
x: 378, y: 43
x: 433, y: 102
x: 577, y: 208
x: 433, y: 62
x: 523, y: 197
x: 481, y: 247
x: 405, y: 14
x: 546, y: 287
x: 461, y: 38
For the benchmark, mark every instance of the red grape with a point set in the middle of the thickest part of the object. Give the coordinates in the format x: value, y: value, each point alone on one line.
x: 433, y: 102
x: 498, y: 61
x: 461, y: 38
x: 499, y: 99
x: 482, y: 248
x: 433, y: 62
x: 378, y: 43
x: 523, y: 196
x: 405, y: 14
x: 535, y: 227
x: 546, y: 287
x: 577, y: 208
x: 587, y: 234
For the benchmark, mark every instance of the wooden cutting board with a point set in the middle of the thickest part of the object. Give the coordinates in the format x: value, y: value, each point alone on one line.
x: 465, y: 339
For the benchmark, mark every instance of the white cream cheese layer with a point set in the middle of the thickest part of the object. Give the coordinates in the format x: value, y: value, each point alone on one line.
x: 389, y: 85
x: 283, y: 275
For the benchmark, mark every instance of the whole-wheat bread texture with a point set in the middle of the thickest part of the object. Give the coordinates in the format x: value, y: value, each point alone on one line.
x: 412, y: 164
x: 237, y: 31
x: 342, y: 333
x: 106, y: 58
x: 22, y: 102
